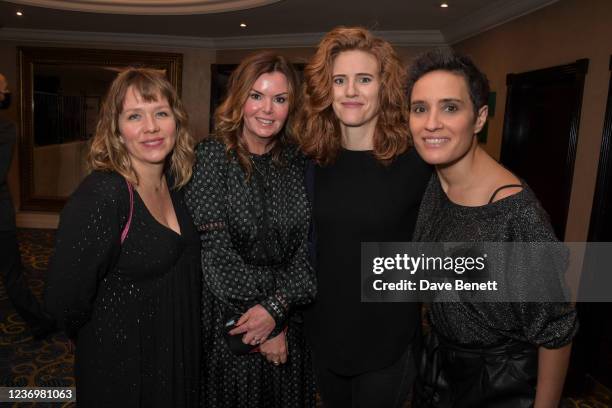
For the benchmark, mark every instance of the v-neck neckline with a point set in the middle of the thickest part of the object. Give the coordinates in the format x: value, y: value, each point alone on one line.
x: 156, y: 221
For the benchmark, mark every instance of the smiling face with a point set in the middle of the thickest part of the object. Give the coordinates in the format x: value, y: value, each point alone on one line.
x: 442, y: 120
x: 148, y: 129
x: 356, y: 88
x: 265, y: 110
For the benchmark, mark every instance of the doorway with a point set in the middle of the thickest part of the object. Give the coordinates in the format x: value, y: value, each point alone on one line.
x: 540, y: 133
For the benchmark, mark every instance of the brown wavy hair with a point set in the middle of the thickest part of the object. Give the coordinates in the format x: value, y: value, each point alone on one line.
x: 107, y: 153
x: 229, y: 115
x: 317, y: 127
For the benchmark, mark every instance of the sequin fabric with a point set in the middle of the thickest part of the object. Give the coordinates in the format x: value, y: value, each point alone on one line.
x: 245, y: 264
x: 133, y: 308
x: 517, y: 218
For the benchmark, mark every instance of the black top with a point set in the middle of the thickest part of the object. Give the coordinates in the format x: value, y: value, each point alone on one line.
x: 134, y: 308
x: 253, y: 241
x: 357, y: 199
x: 517, y: 218
x: 7, y: 142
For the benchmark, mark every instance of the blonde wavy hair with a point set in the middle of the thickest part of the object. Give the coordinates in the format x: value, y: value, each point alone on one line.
x: 107, y: 153
x: 318, y: 129
x: 229, y: 116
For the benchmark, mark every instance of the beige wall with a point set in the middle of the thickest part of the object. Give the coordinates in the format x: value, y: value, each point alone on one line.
x: 556, y: 35
x: 195, y: 91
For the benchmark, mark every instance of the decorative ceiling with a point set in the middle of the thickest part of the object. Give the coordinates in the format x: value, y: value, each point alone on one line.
x: 148, y: 7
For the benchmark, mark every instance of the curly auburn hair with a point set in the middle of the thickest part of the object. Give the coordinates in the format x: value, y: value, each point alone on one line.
x: 107, y: 153
x: 317, y: 127
x: 229, y: 116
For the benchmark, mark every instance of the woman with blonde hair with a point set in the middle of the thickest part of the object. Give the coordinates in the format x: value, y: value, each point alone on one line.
x: 249, y: 202
x: 124, y: 280
x: 366, y: 185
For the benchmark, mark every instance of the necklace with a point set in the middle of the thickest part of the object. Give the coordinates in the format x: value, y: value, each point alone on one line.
x: 257, y: 168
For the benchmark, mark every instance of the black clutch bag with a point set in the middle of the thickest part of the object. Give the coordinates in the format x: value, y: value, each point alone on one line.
x: 234, y: 343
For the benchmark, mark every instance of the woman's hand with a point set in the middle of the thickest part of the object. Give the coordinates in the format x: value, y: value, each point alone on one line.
x: 275, y: 350
x: 256, y: 324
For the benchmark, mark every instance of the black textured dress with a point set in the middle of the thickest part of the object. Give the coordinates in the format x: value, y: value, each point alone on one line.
x: 132, y: 308
x: 243, y: 266
x: 485, y: 354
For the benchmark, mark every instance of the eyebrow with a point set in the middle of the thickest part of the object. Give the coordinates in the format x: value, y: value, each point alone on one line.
x: 279, y: 94
x: 441, y: 100
x: 357, y: 74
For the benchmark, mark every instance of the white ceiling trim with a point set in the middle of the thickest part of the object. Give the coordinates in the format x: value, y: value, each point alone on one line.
x: 86, y: 37
x: 491, y: 16
x: 148, y: 7
x: 397, y: 38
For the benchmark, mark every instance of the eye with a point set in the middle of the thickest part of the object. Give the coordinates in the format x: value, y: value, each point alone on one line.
x: 280, y: 99
x: 418, y: 109
x: 451, y: 107
x: 365, y: 80
x: 133, y: 116
x: 338, y: 81
x: 163, y: 114
x: 255, y: 96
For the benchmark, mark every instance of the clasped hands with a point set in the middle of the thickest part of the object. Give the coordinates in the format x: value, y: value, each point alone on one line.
x: 256, y: 324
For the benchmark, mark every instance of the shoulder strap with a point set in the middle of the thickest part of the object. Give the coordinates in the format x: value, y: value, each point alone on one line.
x: 126, y: 228
x: 501, y: 188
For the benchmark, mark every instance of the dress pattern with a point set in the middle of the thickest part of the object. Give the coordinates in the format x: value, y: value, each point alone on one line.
x: 254, y: 246
x: 133, y: 307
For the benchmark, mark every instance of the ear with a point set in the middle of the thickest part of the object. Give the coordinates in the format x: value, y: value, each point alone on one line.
x: 481, y: 119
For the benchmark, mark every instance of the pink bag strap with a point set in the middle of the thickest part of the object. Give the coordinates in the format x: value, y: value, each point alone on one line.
x: 126, y: 229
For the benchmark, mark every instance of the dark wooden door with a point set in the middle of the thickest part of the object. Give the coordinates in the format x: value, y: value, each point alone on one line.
x: 540, y: 133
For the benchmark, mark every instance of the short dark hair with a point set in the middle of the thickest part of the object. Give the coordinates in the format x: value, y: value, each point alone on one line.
x: 444, y: 59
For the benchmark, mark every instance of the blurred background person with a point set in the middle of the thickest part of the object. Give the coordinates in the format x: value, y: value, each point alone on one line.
x: 11, y: 268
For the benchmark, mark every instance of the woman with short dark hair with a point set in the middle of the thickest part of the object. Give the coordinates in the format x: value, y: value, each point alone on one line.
x: 487, y: 353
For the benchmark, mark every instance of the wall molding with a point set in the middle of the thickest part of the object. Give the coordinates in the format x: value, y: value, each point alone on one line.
x: 495, y: 14
x: 398, y: 38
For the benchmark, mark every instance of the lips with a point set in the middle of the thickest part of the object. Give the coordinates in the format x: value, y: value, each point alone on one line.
x: 352, y: 104
x: 265, y: 122
x: 435, y: 141
x: 153, y: 142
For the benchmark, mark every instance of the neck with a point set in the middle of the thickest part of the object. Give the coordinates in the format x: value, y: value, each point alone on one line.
x: 358, y: 137
x: 463, y: 172
x: 258, y: 145
x: 150, y: 176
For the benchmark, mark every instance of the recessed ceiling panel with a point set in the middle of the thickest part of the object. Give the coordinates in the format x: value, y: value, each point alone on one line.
x: 148, y: 7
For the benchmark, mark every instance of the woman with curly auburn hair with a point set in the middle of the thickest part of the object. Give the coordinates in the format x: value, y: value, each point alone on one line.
x: 124, y: 282
x: 248, y: 199
x: 366, y: 185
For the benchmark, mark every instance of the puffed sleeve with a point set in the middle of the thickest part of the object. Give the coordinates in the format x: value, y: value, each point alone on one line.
x: 87, y: 246
x: 225, y: 273
x: 550, y: 324
x: 296, y: 286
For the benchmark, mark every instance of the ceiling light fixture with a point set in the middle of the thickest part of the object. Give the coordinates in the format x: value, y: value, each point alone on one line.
x: 19, y: 13
x: 243, y: 25
x: 444, y: 5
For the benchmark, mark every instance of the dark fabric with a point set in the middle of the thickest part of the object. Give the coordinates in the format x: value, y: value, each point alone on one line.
x: 134, y: 308
x: 7, y: 143
x: 357, y: 199
x: 254, y: 251
x: 503, y: 376
x: 385, y: 388
x: 487, y: 325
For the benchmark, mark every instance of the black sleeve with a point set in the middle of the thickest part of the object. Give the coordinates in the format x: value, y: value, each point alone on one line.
x: 87, y: 246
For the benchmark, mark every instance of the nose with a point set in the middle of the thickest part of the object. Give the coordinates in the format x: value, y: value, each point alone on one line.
x: 432, y: 122
x: 351, y: 89
x: 268, y: 105
x: 151, y: 125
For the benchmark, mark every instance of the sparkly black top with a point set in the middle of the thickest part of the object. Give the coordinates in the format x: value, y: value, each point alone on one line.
x: 253, y: 232
x: 133, y: 308
x: 517, y: 218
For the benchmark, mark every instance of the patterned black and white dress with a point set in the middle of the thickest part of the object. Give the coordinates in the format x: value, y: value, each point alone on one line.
x: 243, y: 266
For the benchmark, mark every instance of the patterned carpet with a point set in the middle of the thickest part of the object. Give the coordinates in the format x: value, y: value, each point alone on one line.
x: 25, y: 361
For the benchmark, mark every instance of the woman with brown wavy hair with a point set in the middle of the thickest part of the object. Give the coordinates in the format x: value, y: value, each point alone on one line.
x: 249, y: 202
x: 366, y: 184
x: 124, y: 280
